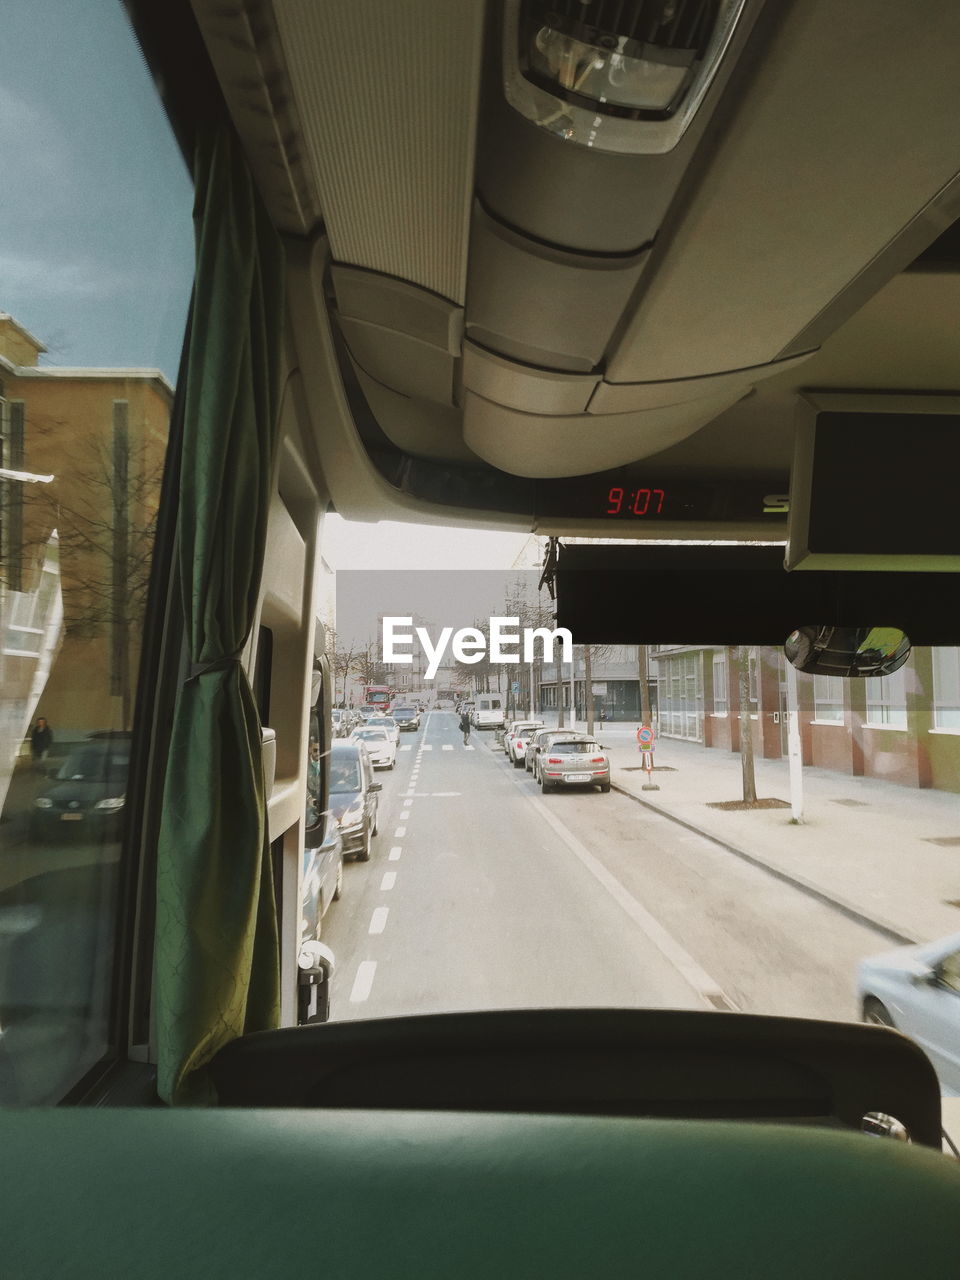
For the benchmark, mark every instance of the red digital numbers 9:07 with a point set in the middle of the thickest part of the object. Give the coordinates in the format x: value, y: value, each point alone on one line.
x: 634, y: 502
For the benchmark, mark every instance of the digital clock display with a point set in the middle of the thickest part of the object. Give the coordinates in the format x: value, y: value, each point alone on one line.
x: 632, y: 494
x: 635, y: 502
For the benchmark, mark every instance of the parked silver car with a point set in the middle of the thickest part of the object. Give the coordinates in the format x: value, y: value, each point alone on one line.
x: 535, y: 745
x: 573, y: 762
x: 516, y: 737
x: 917, y: 990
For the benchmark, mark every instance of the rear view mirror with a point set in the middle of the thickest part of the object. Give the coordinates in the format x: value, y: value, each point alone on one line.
x: 847, y: 651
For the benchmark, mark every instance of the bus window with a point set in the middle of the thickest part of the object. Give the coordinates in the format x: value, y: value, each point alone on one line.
x: 96, y: 235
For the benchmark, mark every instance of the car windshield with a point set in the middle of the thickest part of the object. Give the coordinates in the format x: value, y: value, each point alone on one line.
x: 93, y: 765
x: 579, y: 747
x: 344, y: 775
x: 372, y: 735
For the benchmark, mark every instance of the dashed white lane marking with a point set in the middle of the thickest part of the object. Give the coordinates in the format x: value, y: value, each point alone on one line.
x: 406, y: 747
x: 394, y: 854
x: 448, y: 746
x: 469, y: 748
x: 400, y: 833
x: 378, y: 921
x: 405, y: 815
x: 427, y: 747
x: 389, y: 880
x: 363, y: 982
x: 705, y: 986
x: 442, y: 793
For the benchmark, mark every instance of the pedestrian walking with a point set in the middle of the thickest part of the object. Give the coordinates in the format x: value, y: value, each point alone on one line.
x: 465, y: 727
x: 41, y: 739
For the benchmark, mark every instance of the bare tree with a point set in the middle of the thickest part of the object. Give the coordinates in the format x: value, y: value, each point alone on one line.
x: 746, y: 727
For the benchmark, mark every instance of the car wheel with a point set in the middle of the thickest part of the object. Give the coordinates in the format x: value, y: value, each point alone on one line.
x: 546, y: 786
x: 517, y: 762
x: 876, y: 1012
x: 364, y: 854
x: 338, y: 887
x: 604, y: 787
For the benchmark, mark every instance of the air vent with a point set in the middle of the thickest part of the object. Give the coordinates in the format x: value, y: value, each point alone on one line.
x: 618, y: 75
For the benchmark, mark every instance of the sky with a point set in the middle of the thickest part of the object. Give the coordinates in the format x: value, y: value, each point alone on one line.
x: 96, y: 235
x: 391, y: 544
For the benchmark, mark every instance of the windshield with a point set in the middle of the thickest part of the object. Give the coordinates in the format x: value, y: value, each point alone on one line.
x: 94, y: 766
x: 344, y: 775
x: 708, y: 827
x: 372, y: 735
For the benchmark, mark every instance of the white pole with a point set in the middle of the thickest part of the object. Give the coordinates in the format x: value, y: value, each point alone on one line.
x: 794, y: 748
x: 533, y: 698
x: 573, y: 688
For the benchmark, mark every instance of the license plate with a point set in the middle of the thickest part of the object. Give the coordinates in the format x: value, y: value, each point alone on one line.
x: 578, y: 777
x: 71, y: 817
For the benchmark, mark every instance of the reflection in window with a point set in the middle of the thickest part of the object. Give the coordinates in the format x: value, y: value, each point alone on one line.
x: 91, y: 318
x: 946, y: 688
x: 828, y: 699
x: 887, y: 699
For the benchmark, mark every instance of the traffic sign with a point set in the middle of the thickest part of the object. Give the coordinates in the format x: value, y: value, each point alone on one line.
x: 645, y: 738
x: 515, y: 686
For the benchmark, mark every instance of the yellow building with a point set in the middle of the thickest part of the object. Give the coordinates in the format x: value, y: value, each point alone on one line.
x: 83, y: 452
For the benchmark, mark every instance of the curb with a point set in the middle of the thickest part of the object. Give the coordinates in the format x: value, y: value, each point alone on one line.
x: 839, y: 904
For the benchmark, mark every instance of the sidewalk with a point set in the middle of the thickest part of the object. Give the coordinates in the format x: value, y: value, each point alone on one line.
x: 865, y: 845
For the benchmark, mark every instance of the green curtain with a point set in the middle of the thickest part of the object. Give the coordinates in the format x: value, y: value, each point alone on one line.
x: 217, y: 950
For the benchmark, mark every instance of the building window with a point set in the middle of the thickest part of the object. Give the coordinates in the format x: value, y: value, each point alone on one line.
x: 887, y: 700
x: 946, y: 688
x: 720, y: 684
x: 828, y: 699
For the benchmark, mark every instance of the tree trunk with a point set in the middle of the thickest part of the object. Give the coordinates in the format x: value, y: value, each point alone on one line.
x: 746, y: 727
x: 646, y: 714
x: 588, y: 686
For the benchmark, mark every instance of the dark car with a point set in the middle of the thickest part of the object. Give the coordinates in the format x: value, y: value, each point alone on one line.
x: 87, y: 791
x: 406, y: 717
x: 354, y: 797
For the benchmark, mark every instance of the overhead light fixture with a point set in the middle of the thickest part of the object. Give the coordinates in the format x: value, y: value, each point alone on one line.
x: 625, y: 77
x: 26, y: 477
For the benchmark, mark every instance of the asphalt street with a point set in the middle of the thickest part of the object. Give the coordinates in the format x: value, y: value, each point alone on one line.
x: 482, y: 893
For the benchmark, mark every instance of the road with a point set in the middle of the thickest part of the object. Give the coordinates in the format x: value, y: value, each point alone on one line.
x: 482, y: 893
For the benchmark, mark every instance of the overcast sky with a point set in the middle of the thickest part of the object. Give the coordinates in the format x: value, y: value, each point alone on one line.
x: 96, y: 237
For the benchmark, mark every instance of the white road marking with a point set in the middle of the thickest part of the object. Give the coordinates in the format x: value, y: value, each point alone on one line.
x: 705, y: 986
x: 389, y: 880
x: 406, y: 747
x: 363, y: 982
x: 427, y: 747
x: 443, y: 793
x: 394, y: 854
x: 469, y: 748
x: 378, y: 921
x: 405, y: 815
x: 448, y: 746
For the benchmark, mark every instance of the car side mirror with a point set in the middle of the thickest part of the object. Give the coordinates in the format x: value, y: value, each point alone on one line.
x: 375, y: 786
x: 921, y: 975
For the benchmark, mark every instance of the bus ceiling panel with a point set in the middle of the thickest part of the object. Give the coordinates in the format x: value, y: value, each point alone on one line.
x: 844, y: 133
x: 539, y: 445
x: 387, y: 96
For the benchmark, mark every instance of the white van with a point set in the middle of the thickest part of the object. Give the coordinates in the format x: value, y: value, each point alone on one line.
x: 488, y: 711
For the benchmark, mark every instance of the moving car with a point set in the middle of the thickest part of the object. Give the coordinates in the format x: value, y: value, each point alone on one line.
x: 566, y: 761
x: 917, y: 990
x: 384, y: 722
x: 87, y: 793
x: 406, y: 717
x: 379, y: 743
x: 322, y: 875
x: 354, y: 797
